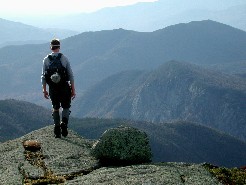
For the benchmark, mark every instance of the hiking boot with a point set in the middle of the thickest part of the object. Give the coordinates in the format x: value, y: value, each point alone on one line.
x: 57, y: 131
x: 64, y: 131
x: 58, y: 136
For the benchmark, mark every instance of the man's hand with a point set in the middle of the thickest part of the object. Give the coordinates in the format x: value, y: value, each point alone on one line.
x: 46, y: 95
x: 73, y: 95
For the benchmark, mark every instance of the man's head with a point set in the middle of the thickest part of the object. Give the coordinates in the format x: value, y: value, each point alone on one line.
x: 55, y: 44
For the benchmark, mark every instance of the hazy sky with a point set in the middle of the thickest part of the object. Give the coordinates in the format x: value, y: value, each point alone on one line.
x: 58, y: 7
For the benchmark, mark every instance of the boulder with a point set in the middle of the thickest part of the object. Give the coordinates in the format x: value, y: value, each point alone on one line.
x: 122, y: 146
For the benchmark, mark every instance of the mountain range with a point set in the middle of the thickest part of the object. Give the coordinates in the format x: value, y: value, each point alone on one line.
x: 97, y: 55
x: 20, y: 117
x: 174, y: 91
x: 156, y: 15
x: 16, y: 33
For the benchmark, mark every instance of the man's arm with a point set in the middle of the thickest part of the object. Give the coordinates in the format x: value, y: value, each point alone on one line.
x: 45, y: 92
x: 70, y: 76
x: 73, y: 94
x: 43, y: 81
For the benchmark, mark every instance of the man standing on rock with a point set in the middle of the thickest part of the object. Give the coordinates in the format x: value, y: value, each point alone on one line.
x: 58, y: 74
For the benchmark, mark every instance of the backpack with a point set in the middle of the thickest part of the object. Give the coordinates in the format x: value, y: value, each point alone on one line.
x: 56, y: 73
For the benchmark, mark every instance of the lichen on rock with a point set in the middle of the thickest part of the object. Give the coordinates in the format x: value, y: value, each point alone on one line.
x: 123, y: 145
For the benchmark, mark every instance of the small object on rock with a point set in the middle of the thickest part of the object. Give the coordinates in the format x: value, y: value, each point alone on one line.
x: 32, y: 145
x: 122, y: 146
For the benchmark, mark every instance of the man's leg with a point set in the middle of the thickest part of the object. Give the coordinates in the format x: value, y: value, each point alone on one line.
x: 66, y: 104
x: 54, y: 96
x: 64, y: 122
x: 56, y: 118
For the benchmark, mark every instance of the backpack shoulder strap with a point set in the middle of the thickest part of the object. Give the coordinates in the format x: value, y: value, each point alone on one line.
x: 59, y: 56
x: 51, y: 58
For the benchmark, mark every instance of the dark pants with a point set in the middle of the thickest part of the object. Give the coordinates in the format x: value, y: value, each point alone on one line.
x: 60, y: 96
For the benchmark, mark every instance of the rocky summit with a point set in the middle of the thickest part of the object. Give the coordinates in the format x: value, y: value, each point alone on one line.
x: 56, y: 161
x: 69, y: 161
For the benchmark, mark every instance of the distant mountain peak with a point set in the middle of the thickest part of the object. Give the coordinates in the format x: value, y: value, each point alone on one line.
x: 201, y: 25
x: 182, y: 70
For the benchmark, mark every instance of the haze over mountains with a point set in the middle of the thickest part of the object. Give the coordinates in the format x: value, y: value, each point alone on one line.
x: 156, y: 15
x: 16, y: 33
x: 97, y: 55
x: 161, y: 14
